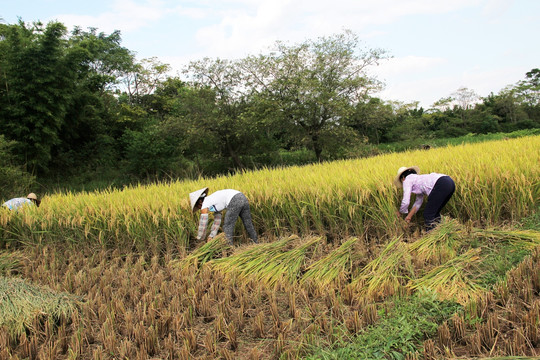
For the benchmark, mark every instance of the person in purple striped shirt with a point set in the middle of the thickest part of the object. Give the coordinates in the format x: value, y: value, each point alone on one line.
x: 439, y: 188
x: 236, y: 204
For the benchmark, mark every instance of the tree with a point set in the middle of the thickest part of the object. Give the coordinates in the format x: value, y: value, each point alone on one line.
x: 463, y: 100
x: 91, y: 124
x: 528, y: 90
x: 37, y: 78
x: 315, y: 85
x: 14, y: 181
x: 230, y: 120
x: 372, y: 119
x: 144, y: 78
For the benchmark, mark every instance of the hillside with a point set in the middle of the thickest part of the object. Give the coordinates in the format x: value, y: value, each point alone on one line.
x: 117, y: 274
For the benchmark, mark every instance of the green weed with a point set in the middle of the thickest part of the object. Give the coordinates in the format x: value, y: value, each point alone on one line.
x: 401, y: 331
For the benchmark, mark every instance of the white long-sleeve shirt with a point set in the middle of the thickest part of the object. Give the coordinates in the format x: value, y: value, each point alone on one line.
x: 420, y: 185
x: 216, y: 202
x: 219, y: 200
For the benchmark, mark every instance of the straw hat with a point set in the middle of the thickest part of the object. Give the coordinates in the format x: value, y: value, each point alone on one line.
x: 31, y: 196
x: 194, y: 196
x: 401, y: 170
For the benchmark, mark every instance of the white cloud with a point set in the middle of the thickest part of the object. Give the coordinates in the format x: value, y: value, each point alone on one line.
x: 253, y: 25
x: 428, y: 90
x: 495, y: 8
x: 407, y: 65
x: 235, y: 28
x: 124, y: 15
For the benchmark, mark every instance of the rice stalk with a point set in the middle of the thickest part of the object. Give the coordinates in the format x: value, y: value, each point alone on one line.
x: 335, y: 267
x: 210, y: 250
x: 267, y: 263
x: 9, y: 262
x: 286, y: 266
x: 450, y: 280
x: 387, y: 273
x: 440, y: 244
x: 21, y: 303
x: 526, y: 239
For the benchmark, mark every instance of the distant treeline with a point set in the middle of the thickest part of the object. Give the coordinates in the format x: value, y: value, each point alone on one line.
x: 78, y: 111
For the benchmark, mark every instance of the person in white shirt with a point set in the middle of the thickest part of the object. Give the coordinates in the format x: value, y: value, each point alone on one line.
x: 17, y: 203
x: 236, y: 204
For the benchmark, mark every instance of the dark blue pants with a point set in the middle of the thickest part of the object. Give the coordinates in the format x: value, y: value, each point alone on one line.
x: 440, y: 194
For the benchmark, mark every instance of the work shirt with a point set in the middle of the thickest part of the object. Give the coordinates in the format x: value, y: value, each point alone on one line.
x: 219, y: 200
x: 420, y: 185
x: 216, y: 202
x: 16, y: 203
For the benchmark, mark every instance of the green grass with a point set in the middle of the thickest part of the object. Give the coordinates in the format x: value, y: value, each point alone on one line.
x: 532, y: 222
x: 497, y: 262
x: 8, y: 262
x: 466, y: 139
x: 400, y: 331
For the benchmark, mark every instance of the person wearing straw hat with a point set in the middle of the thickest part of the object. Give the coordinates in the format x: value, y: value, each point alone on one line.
x: 17, y: 203
x: 439, y: 188
x: 236, y: 204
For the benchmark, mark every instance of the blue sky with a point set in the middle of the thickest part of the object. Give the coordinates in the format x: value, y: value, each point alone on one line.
x: 437, y: 46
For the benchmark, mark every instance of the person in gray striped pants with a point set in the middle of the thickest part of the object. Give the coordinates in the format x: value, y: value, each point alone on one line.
x: 236, y: 204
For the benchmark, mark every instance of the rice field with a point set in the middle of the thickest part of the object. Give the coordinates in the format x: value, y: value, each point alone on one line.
x: 119, y: 275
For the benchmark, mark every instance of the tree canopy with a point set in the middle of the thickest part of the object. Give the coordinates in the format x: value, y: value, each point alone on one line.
x: 78, y: 106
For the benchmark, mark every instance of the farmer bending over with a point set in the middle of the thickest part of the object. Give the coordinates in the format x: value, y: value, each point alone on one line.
x: 16, y: 203
x: 438, y: 187
x: 231, y: 200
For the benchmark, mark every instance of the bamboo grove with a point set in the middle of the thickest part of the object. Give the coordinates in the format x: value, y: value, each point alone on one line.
x: 118, y: 274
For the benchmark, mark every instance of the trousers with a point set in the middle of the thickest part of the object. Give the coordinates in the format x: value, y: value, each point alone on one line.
x: 440, y: 194
x: 238, y: 207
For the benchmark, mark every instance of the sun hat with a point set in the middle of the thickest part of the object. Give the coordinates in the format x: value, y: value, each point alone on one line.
x: 31, y: 196
x: 401, y: 170
x: 194, y: 196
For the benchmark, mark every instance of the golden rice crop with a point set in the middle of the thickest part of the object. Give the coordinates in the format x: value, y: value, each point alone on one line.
x: 495, y: 181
